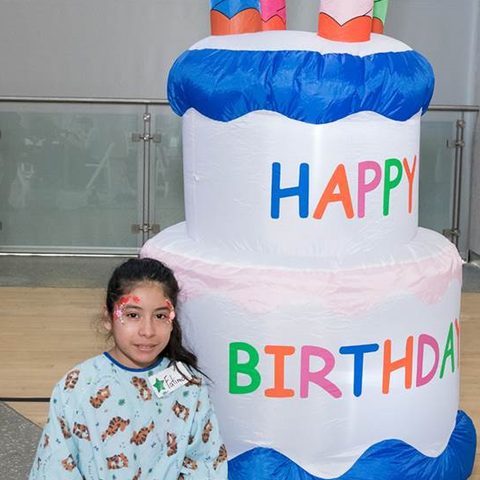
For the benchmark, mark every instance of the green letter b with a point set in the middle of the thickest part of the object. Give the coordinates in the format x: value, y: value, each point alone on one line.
x: 247, y: 368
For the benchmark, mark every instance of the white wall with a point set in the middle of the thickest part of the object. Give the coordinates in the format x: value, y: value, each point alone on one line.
x: 124, y: 48
x: 446, y: 33
x: 95, y: 48
x: 474, y: 232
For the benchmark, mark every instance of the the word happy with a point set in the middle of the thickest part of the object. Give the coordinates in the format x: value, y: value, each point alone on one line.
x: 387, y: 177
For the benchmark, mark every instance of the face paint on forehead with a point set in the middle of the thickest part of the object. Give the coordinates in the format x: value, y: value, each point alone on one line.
x: 170, y: 306
x: 124, y: 300
x: 119, y: 308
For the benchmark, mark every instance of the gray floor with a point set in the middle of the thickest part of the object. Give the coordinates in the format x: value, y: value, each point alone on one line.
x: 18, y: 442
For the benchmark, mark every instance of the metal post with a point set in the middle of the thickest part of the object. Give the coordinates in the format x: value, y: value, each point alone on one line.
x: 146, y: 137
x: 459, y: 144
x: 146, y: 173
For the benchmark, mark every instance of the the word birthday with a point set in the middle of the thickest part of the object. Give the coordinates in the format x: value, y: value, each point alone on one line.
x: 359, y: 355
x: 369, y: 176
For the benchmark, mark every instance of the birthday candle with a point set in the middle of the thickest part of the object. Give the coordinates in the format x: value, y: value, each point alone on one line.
x: 380, y: 8
x: 345, y: 20
x: 273, y: 14
x: 229, y: 17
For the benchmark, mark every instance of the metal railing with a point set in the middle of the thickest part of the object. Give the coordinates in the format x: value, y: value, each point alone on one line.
x: 93, y: 100
x: 146, y: 227
x: 458, y: 144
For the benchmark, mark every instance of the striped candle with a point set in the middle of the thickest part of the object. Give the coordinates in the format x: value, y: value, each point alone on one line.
x: 273, y: 14
x: 345, y: 20
x: 228, y: 17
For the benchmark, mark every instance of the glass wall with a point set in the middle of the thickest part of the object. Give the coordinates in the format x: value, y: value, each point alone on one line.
x: 446, y: 153
x: 436, y: 171
x: 79, y: 178
x: 72, y: 178
x: 167, y: 170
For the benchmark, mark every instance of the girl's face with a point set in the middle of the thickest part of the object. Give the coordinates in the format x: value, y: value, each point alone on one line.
x: 141, y: 326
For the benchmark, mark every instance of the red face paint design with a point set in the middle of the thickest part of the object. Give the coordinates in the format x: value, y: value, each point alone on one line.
x: 169, y: 305
x: 122, y: 303
x: 119, y: 308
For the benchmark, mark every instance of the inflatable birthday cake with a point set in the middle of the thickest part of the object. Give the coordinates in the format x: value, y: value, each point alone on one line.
x: 328, y: 320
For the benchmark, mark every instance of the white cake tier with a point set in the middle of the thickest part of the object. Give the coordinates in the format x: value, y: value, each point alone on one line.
x: 282, y: 339
x: 353, y: 183
x: 291, y: 40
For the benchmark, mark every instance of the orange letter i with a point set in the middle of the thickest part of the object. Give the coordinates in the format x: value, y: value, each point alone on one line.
x: 279, y: 352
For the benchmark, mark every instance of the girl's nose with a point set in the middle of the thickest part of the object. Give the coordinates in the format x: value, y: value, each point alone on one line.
x: 146, y: 328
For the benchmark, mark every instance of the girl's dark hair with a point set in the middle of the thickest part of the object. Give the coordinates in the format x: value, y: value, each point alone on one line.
x: 136, y: 271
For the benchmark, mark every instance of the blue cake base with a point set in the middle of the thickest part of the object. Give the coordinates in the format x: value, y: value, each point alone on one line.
x: 387, y: 460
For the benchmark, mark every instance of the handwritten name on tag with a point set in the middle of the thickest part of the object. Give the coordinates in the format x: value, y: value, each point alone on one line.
x: 169, y: 379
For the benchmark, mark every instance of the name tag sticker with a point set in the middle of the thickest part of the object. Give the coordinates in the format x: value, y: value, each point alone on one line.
x: 170, y: 379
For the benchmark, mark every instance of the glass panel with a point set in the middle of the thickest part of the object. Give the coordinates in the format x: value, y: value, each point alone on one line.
x: 436, y: 171
x: 167, y: 167
x: 70, y: 178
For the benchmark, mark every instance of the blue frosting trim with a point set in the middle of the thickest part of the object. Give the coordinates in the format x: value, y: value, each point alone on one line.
x: 387, y: 460
x: 230, y: 8
x: 303, y: 85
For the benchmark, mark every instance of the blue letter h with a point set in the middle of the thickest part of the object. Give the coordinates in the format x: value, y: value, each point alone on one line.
x: 301, y: 190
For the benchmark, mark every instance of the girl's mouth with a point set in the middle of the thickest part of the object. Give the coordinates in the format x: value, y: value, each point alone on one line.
x: 145, y: 348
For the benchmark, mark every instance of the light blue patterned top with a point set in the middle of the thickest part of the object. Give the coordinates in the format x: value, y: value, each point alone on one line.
x: 106, y: 423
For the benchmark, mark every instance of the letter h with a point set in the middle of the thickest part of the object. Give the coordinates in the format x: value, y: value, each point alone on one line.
x: 302, y: 191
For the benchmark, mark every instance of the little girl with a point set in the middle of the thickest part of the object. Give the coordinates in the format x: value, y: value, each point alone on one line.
x: 140, y: 411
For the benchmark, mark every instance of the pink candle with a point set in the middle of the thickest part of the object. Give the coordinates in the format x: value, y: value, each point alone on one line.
x: 273, y: 14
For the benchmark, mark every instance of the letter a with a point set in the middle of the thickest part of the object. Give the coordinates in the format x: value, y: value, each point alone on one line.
x: 339, y: 180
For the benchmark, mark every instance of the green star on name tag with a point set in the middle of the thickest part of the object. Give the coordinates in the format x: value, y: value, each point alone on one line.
x: 158, y: 385
x: 169, y: 379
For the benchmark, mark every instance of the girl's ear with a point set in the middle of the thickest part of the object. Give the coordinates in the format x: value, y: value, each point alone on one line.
x: 107, y: 321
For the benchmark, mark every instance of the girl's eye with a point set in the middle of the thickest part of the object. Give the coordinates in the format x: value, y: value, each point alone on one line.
x: 133, y: 315
x: 161, y: 316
